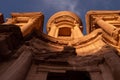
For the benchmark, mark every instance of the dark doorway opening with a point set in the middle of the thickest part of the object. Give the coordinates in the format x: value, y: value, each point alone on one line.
x: 69, y: 75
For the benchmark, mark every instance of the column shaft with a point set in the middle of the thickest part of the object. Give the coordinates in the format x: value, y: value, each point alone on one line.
x: 52, y: 31
x: 106, y: 26
x: 77, y: 32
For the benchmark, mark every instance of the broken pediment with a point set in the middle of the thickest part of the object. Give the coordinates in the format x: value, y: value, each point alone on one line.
x: 109, y: 22
x: 27, y: 21
x: 111, y: 17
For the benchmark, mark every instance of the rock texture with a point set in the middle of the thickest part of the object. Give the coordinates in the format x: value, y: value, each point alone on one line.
x: 64, y: 53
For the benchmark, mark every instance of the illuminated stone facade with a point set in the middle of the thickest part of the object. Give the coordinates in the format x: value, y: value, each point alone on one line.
x: 64, y: 53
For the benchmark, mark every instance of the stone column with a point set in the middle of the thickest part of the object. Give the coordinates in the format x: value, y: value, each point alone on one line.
x: 119, y: 44
x: 72, y: 33
x: 19, y: 69
x: 113, y: 61
x: 106, y: 72
x: 56, y: 33
x: 77, y: 31
x: 96, y: 76
x: 27, y: 28
x: 52, y: 30
x: 106, y: 26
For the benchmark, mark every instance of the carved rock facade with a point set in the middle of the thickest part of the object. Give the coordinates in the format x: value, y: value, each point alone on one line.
x: 26, y: 53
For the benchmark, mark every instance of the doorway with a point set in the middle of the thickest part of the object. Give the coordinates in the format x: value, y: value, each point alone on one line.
x: 69, y: 75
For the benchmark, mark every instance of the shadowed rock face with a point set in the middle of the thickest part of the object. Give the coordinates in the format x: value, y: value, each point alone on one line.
x: 26, y: 53
x: 10, y: 38
x: 17, y: 29
x: 1, y: 18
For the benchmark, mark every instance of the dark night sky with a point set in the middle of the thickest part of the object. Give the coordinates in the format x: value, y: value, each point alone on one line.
x: 49, y: 7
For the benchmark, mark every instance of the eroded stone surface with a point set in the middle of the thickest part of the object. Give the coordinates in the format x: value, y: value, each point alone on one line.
x: 64, y: 51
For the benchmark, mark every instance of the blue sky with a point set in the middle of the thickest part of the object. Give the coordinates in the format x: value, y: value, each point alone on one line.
x: 49, y: 7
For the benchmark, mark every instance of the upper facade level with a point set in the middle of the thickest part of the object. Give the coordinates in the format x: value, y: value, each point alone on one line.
x: 65, y: 25
x: 64, y: 28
